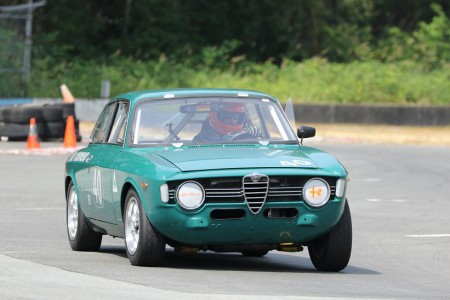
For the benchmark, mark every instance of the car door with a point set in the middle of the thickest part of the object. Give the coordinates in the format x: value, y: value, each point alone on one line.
x: 97, y: 180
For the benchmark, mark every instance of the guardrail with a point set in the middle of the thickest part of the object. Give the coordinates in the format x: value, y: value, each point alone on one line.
x: 413, y: 115
x: 373, y: 114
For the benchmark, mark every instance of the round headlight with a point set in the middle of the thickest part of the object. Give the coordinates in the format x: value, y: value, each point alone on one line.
x: 190, y: 195
x: 316, y: 192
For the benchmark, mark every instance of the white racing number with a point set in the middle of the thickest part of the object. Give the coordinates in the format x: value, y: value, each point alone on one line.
x: 295, y: 163
x: 97, y: 186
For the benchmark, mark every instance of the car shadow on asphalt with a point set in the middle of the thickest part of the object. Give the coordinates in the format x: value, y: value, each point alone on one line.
x: 272, y: 262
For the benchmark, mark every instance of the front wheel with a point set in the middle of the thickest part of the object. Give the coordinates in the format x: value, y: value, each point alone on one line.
x: 144, y: 246
x: 81, y: 237
x: 331, y: 252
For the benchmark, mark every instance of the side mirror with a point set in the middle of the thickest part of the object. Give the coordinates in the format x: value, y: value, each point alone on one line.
x: 304, y: 132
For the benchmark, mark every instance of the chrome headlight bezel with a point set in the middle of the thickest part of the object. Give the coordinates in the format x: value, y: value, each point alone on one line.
x: 316, y: 198
x: 190, y: 195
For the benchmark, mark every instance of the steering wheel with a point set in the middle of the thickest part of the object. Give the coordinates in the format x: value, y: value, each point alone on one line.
x: 242, y: 136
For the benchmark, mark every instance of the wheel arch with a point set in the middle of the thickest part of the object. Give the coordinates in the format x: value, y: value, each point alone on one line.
x: 67, y: 182
x: 123, y: 195
x: 130, y: 183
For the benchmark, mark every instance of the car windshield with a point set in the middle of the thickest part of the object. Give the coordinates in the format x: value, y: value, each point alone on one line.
x: 210, y: 120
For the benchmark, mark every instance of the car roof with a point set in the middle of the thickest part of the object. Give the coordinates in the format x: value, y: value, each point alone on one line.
x: 180, y: 93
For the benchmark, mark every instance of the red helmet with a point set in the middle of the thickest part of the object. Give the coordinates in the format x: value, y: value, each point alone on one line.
x: 231, y: 118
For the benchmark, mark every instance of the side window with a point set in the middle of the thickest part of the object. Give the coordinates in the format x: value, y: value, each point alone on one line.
x: 118, y: 130
x: 101, y: 129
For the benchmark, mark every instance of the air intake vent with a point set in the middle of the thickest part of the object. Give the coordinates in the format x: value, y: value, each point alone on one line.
x: 255, y: 187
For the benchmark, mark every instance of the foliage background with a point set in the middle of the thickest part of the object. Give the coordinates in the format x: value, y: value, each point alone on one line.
x: 347, y: 51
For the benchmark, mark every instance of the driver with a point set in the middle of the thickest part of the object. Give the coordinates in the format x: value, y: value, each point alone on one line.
x: 225, y: 125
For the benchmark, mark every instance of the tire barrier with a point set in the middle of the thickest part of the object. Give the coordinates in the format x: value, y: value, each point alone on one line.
x: 50, y: 121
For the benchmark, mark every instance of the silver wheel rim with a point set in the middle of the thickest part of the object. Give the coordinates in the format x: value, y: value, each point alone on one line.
x: 132, y: 225
x: 72, y: 214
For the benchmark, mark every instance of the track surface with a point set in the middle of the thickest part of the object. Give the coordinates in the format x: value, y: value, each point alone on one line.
x: 398, y: 196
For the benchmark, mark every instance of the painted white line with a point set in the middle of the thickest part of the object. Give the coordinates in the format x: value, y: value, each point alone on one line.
x: 399, y: 200
x: 394, y: 200
x: 16, y: 252
x: 41, y: 208
x: 365, y: 180
x: 40, y: 151
x: 428, y: 235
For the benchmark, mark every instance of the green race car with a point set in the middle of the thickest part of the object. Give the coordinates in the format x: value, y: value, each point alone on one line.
x: 206, y: 169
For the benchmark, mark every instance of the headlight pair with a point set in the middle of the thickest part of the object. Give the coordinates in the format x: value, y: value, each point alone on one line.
x: 316, y: 192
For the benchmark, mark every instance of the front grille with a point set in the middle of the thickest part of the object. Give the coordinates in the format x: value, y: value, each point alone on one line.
x: 224, y: 195
x: 255, y: 188
x: 231, y: 190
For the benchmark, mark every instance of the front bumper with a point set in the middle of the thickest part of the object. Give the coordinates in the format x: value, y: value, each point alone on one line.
x: 200, y: 228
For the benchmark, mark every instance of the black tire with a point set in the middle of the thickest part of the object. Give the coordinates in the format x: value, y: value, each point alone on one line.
x: 54, y: 130
x: 331, y: 252
x: 16, y: 132
x: 22, y: 115
x: 6, y: 114
x: 254, y: 253
x: 81, y: 238
x: 68, y: 109
x: 2, y: 128
x: 77, y: 130
x: 1, y: 114
x: 144, y: 245
x: 57, y: 130
x: 52, y: 114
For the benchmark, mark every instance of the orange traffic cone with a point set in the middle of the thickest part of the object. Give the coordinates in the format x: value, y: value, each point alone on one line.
x: 32, y: 141
x: 70, y: 139
x: 67, y: 95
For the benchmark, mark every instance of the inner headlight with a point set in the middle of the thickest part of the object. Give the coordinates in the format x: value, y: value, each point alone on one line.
x: 316, y: 192
x: 190, y: 195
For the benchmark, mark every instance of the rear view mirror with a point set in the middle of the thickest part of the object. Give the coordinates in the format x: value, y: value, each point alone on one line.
x: 304, y: 132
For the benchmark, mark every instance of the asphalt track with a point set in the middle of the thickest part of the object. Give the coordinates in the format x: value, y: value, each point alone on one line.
x: 399, y: 199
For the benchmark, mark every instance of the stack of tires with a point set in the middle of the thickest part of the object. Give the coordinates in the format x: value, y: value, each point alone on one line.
x: 50, y: 121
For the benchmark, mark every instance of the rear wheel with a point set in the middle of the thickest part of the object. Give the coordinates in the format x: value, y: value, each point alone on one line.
x: 81, y: 237
x: 331, y: 252
x: 144, y: 246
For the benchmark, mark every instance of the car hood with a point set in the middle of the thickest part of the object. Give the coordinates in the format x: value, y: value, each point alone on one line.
x: 207, y: 158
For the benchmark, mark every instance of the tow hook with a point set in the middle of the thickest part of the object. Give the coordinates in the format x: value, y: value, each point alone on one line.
x: 289, y: 247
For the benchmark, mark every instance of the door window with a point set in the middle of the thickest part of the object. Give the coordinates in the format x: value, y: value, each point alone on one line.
x: 118, y: 129
x: 101, y: 129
